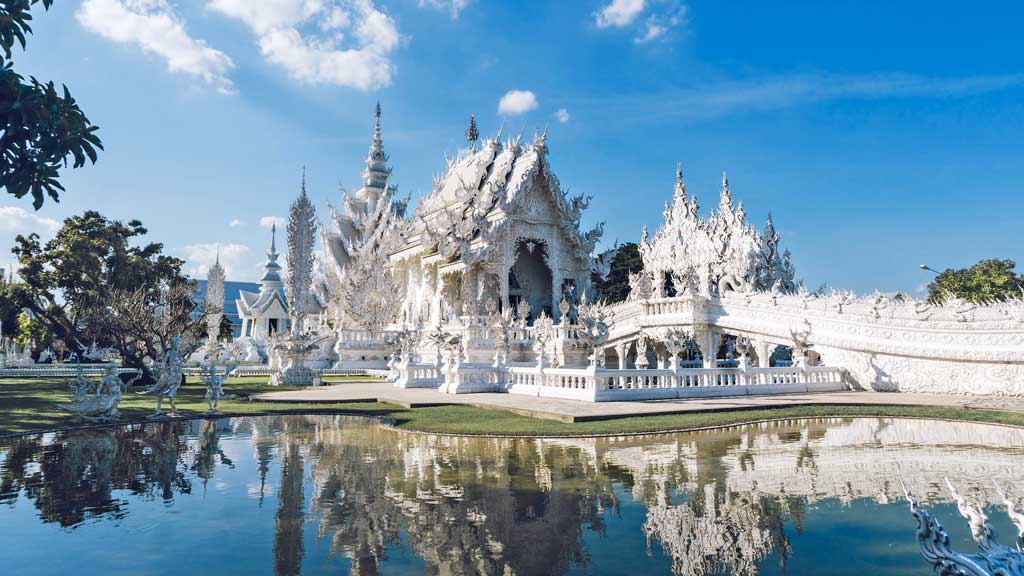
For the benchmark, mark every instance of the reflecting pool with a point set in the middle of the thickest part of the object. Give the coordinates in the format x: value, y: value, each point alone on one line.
x: 295, y: 495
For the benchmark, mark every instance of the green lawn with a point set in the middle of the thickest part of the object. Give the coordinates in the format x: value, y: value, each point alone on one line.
x: 30, y: 405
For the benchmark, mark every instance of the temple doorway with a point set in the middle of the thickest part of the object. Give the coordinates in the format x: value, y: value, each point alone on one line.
x: 529, y: 278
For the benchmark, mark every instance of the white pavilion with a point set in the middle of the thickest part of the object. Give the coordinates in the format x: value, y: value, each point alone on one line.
x: 265, y: 313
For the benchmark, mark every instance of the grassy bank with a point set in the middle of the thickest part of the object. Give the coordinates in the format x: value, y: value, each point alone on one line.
x: 31, y: 405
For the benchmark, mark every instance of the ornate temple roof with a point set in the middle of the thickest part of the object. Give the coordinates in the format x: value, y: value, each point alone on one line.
x: 365, y: 216
x: 480, y: 187
x: 270, y: 301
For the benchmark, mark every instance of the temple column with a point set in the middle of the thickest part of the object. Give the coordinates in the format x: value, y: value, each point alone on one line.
x: 620, y: 351
x: 763, y: 355
x: 708, y: 341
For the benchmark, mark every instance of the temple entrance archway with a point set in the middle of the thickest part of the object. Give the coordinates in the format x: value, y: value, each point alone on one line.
x: 530, y: 278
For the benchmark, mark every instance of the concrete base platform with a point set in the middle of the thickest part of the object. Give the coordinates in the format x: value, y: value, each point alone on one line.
x: 576, y: 411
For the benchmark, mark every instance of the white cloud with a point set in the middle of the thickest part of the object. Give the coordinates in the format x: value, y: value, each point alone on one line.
x: 652, y: 30
x: 661, y: 16
x: 268, y: 221
x: 153, y: 26
x: 14, y: 221
x: 714, y: 100
x: 517, y: 102
x: 619, y: 13
x: 454, y: 7
x: 562, y: 115
x: 235, y: 223
x: 353, y: 50
x: 233, y: 257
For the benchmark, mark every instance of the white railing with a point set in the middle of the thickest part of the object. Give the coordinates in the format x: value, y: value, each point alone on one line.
x: 601, y: 384
x: 60, y: 371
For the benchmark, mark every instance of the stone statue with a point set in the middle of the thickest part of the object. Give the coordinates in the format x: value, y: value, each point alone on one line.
x: 214, y: 373
x: 168, y: 370
x: 97, y: 402
x: 594, y: 320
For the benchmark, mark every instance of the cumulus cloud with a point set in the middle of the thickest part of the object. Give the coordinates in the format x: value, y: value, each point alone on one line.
x: 235, y: 223
x: 233, y: 257
x: 652, y: 30
x: 619, y: 13
x: 353, y: 48
x: 453, y: 7
x: 14, y: 221
x: 562, y: 115
x: 269, y: 221
x: 517, y: 102
x: 153, y: 26
x: 650, y: 20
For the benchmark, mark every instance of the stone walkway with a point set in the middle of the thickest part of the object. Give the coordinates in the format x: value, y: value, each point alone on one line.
x: 576, y: 411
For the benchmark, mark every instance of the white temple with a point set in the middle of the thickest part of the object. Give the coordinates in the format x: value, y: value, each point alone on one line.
x: 265, y: 313
x: 485, y: 287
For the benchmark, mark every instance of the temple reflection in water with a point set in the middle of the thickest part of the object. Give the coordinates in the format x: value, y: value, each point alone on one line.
x: 333, y: 493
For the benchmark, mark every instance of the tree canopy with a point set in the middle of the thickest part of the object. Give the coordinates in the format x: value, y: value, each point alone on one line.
x: 614, y: 287
x: 987, y: 281
x: 42, y: 127
x: 93, y: 283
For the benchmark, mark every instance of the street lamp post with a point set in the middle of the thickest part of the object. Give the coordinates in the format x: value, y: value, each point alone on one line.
x: 930, y: 269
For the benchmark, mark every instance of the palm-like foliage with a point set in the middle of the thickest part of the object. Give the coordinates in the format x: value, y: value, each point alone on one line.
x: 40, y: 127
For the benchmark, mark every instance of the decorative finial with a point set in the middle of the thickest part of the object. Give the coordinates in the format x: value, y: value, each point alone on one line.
x: 378, y: 110
x: 217, y: 263
x: 725, y: 180
x: 679, y: 172
x: 472, y: 134
x: 273, y: 237
x: 303, y: 191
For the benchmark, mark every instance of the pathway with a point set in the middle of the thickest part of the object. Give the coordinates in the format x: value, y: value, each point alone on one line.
x: 576, y: 411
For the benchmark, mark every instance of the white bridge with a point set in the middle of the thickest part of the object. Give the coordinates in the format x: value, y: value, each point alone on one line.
x: 836, y: 342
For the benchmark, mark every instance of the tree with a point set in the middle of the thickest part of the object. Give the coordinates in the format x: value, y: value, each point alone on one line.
x: 12, y: 302
x: 614, y: 287
x: 41, y: 127
x: 987, y: 281
x: 31, y: 333
x: 140, y: 323
x: 92, y: 283
x: 226, y: 330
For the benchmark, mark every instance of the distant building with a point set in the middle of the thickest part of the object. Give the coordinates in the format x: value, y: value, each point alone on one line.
x: 264, y: 313
x: 232, y: 291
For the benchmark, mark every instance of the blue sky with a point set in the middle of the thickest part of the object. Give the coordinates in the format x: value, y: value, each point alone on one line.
x: 881, y: 135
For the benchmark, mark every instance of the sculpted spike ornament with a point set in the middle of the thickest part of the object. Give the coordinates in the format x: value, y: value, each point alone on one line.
x: 214, y: 302
x: 472, y: 134
x: 992, y: 559
x: 301, y: 236
x: 719, y: 254
x: 294, y: 347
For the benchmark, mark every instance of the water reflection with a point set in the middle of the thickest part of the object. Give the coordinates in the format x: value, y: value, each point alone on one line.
x: 350, y: 494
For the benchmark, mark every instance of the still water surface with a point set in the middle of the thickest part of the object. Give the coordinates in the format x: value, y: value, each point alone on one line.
x: 317, y: 495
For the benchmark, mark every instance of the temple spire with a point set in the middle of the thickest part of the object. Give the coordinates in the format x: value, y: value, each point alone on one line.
x: 376, y: 173
x: 271, y: 270
x: 725, y: 201
x: 472, y: 134
x: 680, y: 193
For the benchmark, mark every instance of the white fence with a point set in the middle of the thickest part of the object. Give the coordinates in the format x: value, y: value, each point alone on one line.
x: 603, y: 385
x: 70, y: 370
x: 59, y: 371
